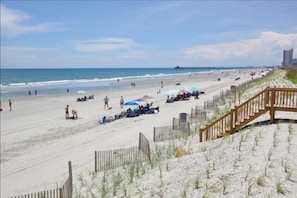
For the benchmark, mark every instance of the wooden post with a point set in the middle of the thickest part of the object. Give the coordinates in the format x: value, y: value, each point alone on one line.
x: 139, y: 141
x: 231, y: 121
x: 266, y: 97
x: 234, y: 98
x: 61, y: 193
x: 236, y: 115
x: 206, y: 132
x: 96, y: 162
x: 200, y: 134
x: 238, y: 97
x: 233, y: 90
x: 154, y: 134
x: 70, y: 187
x: 272, y: 111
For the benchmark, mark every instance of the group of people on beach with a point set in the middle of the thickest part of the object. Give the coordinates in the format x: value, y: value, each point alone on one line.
x: 106, y: 100
x: 85, y: 98
x: 106, y: 107
x: 148, y: 109
x: 74, y: 113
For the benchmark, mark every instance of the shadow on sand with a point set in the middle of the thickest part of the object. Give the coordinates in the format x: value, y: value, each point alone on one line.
x: 267, y: 122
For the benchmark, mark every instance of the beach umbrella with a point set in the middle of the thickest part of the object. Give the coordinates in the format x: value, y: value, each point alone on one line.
x: 81, y: 92
x: 171, y: 92
x: 131, y: 103
x: 194, y: 88
x: 184, y: 91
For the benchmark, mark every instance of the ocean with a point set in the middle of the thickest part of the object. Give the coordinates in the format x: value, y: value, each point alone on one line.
x: 18, y: 82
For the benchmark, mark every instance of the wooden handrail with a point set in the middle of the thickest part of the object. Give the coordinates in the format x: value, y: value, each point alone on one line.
x: 270, y: 99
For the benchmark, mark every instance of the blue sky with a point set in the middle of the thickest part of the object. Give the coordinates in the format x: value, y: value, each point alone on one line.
x: 105, y: 34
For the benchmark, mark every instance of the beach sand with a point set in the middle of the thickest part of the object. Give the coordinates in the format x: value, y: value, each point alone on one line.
x: 37, y: 142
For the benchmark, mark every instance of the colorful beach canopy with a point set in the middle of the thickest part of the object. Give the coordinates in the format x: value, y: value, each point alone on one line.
x: 171, y: 92
x: 184, y: 91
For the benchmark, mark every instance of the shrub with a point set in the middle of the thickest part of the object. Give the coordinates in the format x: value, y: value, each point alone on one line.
x: 181, y: 152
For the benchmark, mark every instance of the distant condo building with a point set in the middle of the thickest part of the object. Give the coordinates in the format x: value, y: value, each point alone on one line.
x: 288, y: 58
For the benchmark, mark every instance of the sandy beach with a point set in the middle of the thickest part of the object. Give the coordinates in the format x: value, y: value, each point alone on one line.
x: 37, y: 142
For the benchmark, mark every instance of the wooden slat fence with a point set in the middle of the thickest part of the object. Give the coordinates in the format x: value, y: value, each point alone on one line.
x: 54, y: 193
x: 166, y: 133
x: 220, y: 99
x: 196, y: 115
x: 64, y: 192
x: 67, y: 188
x: 183, y: 126
x: 144, y: 145
x: 179, y: 126
x: 109, y: 159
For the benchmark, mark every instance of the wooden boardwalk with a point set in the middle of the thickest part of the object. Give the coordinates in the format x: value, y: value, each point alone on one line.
x: 270, y: 99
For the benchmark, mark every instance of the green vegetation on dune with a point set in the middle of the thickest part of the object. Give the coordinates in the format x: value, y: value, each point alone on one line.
x: 292, y: 74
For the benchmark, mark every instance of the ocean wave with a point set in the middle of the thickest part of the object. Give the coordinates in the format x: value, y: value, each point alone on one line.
x: 103, y: 81
x: 57, y: 82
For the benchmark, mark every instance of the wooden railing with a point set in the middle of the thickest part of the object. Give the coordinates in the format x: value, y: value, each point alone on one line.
x: 270, y: 99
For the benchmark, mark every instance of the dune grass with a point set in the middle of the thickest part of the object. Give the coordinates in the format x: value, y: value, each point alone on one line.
x: 291, y: 74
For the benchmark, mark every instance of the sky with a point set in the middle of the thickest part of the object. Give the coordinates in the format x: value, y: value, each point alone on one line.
x: 151, y: 34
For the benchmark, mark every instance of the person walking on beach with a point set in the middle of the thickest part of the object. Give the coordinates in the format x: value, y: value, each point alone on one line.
x: 122, y: 102
x: 67, y: 112
x: 10, y: 105
x: 106, y: 99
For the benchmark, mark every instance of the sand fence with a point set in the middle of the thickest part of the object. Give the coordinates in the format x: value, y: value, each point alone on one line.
x: 64, y: 192
x: 180, y: 126
x: 234, y: 91
x: 109, y: 159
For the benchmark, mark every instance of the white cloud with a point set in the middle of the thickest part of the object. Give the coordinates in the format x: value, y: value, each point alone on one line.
x: 264, y: 49
x: 25, y: 49
x: 12, y: 23
x: 105, y: 44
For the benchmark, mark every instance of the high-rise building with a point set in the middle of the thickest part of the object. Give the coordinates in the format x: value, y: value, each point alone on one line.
x: 288, y: 58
